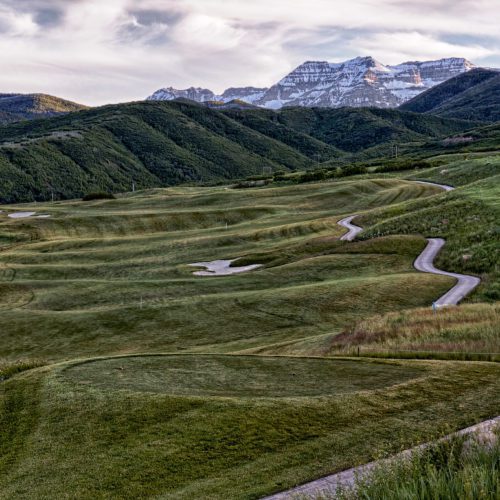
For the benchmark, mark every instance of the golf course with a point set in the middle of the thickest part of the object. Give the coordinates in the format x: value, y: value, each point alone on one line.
x: 128, y: 373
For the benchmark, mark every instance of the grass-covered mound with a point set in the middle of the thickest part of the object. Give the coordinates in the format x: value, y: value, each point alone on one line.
x: 70, y: 431
x: 239, y: 376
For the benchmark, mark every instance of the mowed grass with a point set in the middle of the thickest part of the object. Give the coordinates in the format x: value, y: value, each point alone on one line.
x: 137, y: 427
x: 237, y: 376
x: 112, y: 277
x: 182, y: 418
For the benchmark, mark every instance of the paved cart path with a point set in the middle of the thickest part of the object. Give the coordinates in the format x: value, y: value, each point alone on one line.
x: 465, y: 283
x: 425, y: 261
x: 330, y: 484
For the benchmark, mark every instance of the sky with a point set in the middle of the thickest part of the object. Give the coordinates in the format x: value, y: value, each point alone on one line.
x: 105, y: 51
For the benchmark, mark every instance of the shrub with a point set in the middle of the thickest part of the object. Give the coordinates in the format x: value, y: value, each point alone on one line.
x: 353, y: 170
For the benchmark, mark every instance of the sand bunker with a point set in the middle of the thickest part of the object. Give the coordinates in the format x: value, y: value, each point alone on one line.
x: 221, y: 268
x: 24, y: 215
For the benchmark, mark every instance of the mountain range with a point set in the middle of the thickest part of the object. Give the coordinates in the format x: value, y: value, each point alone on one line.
x: 359, y: 82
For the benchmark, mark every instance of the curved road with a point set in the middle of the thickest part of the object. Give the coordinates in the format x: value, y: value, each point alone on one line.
x: 465, y: 283
x: 353, y: 229
x: 425, y: 261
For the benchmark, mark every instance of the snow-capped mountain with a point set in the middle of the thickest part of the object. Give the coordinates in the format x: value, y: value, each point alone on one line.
x: 247, y: 94
x: 194, y: 93
x: 362, y: 81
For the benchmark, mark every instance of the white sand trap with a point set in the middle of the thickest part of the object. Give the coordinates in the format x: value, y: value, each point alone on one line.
x: 24, y: 215
x: 21, y: 215
x: 221, y: 268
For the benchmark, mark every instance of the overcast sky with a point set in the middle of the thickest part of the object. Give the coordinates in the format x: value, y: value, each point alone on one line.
x: 100, y: 51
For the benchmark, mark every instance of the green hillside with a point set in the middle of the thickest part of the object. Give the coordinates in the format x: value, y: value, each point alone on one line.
x: 154, y: 144
x: 351, y: 129
x: 474, y: 95
x: 19, y: 107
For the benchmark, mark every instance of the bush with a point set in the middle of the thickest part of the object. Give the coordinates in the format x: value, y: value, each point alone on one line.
x: 315, y: 175
x: 101, y: 195
x: 353, y: 170
x: 280, y: 175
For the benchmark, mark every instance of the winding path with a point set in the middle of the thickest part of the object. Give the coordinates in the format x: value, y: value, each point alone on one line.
x: 330, y: 484
x: 353, y: 229
x: 425, y: 261
x: 465, y: 283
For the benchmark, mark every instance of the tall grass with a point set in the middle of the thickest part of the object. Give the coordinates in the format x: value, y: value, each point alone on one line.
x: 461, y: 468
x: 8, y: 370
x: 468, y: 332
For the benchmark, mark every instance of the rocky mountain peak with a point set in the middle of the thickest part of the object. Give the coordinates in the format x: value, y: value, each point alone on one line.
x: 361, y: 81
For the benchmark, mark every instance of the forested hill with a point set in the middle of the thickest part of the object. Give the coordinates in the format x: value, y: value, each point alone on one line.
x: 474, y: 95
x: 166, y: 143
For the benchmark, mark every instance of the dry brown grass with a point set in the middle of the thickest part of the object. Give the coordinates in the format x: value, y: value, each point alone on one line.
x: 470, y: 329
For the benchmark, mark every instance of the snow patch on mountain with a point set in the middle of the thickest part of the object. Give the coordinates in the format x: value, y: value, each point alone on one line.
x: 362, y: 81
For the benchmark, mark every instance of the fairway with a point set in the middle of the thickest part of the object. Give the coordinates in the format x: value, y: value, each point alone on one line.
x: 113, y: 277
x: 112, y: 427
x: 128, y: 376
x: 238, y: 376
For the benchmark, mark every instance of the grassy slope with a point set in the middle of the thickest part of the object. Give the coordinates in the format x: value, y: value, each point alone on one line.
x: 110, y: 277
x: 472, y: 328
x: 469, y: 332
x: 467, y: 218
x: 93, y: 441
x: 66, y: 278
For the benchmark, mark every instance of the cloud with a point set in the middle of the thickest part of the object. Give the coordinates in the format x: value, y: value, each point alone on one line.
x: 398, y: 46
x: 97, y: 51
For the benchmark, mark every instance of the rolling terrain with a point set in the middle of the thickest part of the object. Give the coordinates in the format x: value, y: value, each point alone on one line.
x: 141, y: 379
